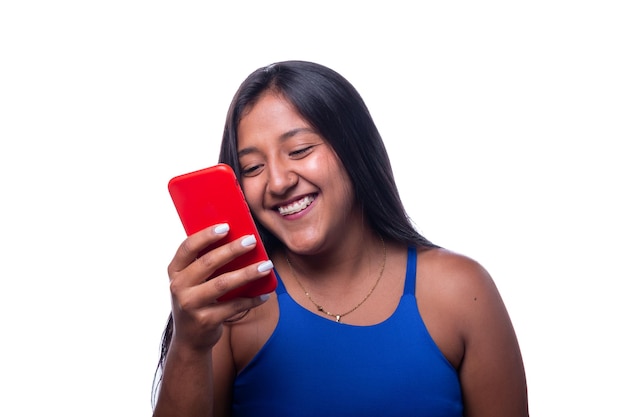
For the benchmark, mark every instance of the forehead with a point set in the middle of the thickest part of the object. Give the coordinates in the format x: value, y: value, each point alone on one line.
x: 269, y: 107
x: 271, y: 116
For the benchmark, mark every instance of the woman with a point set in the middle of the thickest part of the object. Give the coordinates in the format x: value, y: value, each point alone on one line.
x: 369, y: 318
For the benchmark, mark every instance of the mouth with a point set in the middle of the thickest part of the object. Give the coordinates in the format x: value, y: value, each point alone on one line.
x: 296, y: 206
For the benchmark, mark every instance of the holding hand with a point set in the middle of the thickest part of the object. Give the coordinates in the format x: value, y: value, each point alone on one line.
x: 198, y: 315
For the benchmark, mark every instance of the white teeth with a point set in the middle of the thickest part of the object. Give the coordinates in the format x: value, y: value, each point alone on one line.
x: 296, y: 206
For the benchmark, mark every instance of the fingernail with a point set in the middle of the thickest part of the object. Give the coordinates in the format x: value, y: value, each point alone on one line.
x: 264, y: 297
x: 220, y: 229
x: 249, y: 240
x: 265, y: 266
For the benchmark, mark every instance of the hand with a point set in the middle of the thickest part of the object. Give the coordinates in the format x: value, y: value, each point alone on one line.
x: 198, y: 316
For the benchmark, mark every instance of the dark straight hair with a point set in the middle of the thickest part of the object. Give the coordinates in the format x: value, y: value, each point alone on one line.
x: 335, y: 109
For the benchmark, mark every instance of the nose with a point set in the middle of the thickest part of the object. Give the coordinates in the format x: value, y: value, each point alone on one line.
x: 280, y: 178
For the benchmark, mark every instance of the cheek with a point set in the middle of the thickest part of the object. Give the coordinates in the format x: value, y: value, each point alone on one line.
x: 340, y: 181
x: 347, y: 195
x: 253, y: 195
x: 339, y: 172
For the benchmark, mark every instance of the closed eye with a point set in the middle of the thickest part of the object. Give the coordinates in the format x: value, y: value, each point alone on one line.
x: 300, y: 153
x: 251, y: 171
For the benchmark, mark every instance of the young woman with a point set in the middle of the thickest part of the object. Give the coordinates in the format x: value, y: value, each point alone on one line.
x: 369, y: 318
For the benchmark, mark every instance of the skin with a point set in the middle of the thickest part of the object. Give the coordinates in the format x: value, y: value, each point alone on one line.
x: 336, y: 256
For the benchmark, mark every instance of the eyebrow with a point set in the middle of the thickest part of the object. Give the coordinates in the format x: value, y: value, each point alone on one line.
x: 283, y: 137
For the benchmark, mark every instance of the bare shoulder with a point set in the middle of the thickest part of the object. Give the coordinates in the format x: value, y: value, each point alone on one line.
x: 453, y: 291
x: 462, y: 309
x: 462, y: 293
x: 453, y: 277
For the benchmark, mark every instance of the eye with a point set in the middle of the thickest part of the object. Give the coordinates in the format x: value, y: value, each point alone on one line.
x: 301, y: 152
x: 251, y: 170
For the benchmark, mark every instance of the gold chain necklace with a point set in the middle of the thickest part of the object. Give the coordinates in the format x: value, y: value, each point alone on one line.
x: 339, y: 316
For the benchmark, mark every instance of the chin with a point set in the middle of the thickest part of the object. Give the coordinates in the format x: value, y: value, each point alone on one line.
x: 311, y: 244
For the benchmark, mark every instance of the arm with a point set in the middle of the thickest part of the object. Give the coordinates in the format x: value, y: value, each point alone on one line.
x: 187, y: 385
x: 189, y: 382
x: 467, y: 318
x: 491, y: 372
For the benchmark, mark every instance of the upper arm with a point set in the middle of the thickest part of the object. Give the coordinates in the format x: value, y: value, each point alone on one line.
x: 491, y: 372
x: 473, y: 323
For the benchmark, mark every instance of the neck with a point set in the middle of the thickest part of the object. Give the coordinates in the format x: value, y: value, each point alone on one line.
x: 340, y: 298
x: 339, y: 280
x: 344, y: 260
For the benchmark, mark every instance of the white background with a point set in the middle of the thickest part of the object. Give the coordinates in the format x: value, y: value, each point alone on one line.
x: 505, y: 123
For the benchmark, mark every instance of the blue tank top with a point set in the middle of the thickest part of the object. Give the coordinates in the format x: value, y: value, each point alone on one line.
x: 312, y: 366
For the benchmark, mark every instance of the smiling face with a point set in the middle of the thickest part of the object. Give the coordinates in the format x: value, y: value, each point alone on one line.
x: 292, y: 179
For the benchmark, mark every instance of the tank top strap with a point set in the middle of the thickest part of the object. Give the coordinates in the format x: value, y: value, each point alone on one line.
x: 411, y: 269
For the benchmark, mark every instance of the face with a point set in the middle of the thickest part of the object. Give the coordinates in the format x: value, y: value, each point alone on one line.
x: 292, y: 179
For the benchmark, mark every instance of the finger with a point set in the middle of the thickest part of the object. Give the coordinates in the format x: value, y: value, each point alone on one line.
x: 208, y: 264
x: 210, y: 291
x: 188, y: 251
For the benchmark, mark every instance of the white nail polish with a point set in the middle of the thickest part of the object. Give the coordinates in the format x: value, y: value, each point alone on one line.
x: 248, y: 241
x: 264, y: 297
x: 265, y: 266
x: 220, y: 229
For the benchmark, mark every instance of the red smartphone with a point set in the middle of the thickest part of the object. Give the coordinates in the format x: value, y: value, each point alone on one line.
x: 210, y: 196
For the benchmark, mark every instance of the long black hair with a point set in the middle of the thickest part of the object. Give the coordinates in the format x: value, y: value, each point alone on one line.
x: 334, y: 108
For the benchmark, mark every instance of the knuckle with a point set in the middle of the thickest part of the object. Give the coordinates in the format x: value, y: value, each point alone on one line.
x: 186, y: 304
x: 172, y: 271
x: 207, y: 260
x: 181, y: 301
x: 230, y: 251
x: 175, y: 286
x: 186, y: 249
x: 220, y: 283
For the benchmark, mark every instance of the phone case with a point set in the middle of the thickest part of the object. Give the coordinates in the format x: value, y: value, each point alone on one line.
x: 210, y: 196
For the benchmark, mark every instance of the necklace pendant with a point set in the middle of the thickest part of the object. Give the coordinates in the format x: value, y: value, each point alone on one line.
x: 338, y: 318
